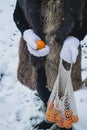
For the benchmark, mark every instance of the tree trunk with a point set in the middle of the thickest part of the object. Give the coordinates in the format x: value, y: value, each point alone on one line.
x: 52, y: 14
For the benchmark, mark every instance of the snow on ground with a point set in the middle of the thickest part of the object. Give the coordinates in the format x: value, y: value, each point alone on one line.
x: 20, y: 108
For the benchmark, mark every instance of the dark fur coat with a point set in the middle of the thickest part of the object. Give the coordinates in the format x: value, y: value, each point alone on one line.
x: 73, y: 20
x: 69, y: 19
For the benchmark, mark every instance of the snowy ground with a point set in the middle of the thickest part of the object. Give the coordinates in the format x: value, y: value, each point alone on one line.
x: 20, y: 108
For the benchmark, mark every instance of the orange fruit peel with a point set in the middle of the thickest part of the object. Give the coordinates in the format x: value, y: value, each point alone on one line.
x: 40, y: 44
x: 75, y: 118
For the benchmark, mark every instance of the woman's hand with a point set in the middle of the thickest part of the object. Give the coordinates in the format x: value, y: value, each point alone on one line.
x: 38, y: 56
x: 69, y: 51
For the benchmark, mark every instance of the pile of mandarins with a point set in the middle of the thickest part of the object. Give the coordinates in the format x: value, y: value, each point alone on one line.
x: 54, y: 115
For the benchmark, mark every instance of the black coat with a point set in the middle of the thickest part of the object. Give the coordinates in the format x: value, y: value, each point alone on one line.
x: 27, y: 15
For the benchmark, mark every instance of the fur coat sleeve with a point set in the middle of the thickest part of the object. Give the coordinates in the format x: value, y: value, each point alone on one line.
x: 27, y: 15
x: 72, y: 20
x: 19, y: 18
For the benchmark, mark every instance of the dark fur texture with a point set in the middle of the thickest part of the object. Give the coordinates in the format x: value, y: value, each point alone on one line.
x: 72, y: 19
x: 26, y: 72
x: 32, y: 13
x: 51, y: 25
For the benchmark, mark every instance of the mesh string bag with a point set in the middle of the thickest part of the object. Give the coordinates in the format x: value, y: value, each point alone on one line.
x: 61, y: 107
